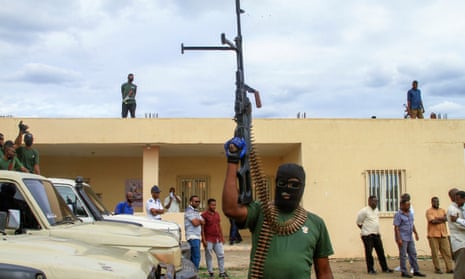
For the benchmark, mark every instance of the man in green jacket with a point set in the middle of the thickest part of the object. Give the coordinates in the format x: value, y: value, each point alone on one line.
x: 128, y: 93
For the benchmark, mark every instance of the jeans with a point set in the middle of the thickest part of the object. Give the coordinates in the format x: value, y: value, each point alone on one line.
x: 408, y: 248
x: 216, y: 247
x: 195, y: 251
x: 374, y: 241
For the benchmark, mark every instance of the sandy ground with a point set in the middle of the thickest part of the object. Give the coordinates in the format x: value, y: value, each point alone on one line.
x: 237, y: 262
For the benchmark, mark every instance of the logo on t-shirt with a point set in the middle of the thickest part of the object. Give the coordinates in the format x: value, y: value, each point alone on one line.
x: 305, y: 229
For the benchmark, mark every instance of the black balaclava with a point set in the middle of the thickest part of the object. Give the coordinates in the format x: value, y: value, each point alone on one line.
x: 284, y: 173
x: 28, y: 139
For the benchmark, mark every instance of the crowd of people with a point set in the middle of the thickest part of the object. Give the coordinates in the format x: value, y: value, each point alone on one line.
x: 201, y: 228
x: 16, y: 156
x: 291, y: 253
x: 296, y: 240
x: 449, y: 246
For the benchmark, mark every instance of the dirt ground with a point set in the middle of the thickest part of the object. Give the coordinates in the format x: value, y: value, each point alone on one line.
x: 237, y: 262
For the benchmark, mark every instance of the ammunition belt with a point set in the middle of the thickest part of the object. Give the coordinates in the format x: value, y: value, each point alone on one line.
x: 271, y: 224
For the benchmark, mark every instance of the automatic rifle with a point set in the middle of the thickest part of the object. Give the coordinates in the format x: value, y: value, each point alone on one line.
x: 242, y: 107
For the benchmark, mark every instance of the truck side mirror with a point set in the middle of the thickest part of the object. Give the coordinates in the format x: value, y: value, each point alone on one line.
x: 14, y: 219
x: 79, y: 181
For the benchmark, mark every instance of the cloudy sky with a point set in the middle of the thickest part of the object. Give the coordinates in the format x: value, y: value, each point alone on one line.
x: 329, y: 59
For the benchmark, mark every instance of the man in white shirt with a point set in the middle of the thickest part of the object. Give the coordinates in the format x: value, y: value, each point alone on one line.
x: 153, y: 206
x: 172, y: 201
x: 456, y: 222
x: 368, y: 222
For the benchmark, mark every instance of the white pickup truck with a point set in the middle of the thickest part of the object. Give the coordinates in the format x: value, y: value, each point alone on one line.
x: 34, y: 207
x: 88, y: 207
x: 44, y: 257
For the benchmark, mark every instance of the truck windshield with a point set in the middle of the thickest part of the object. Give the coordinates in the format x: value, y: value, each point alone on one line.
x: 50, y: 202
x: 96, y: 200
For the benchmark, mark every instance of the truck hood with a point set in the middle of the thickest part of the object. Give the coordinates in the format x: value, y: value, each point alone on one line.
x: 65, y: 258
x: 115, y: 234
x: 146, y: 222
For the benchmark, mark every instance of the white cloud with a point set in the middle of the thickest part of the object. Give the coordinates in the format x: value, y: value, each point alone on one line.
x: 326, y: 58
x: 41, y: 73
x: 448, y: 108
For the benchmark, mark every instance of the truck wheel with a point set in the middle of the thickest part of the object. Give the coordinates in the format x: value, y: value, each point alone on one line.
x: 188, y: 270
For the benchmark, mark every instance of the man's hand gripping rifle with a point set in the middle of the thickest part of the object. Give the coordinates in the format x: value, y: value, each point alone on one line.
x: 238, y: 149
x: 242, y: 143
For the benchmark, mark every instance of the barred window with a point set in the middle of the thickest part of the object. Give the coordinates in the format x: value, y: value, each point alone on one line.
x: 388, y: 186
x: 193, y: 185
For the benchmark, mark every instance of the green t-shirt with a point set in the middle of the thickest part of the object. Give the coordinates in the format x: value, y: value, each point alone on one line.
x: 128, y: 92
x: 5, y: 163
x: 29, y: 157
x: 290, y: 256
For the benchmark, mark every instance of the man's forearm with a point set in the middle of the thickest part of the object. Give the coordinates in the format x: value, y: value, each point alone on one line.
x: 397, y: 234
x: 230, y: 194
x: 323, y: 268
x: 36, y: 169
x: 460, y: 221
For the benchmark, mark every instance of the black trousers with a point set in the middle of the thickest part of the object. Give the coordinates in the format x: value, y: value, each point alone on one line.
x: 374, y: 241
x: 131, y: 108
x: 234, y: 235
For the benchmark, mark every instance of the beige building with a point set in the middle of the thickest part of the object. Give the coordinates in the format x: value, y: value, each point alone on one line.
x: 345, y: 161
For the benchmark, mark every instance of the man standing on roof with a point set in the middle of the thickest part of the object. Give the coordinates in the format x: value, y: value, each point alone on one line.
x: 128, y: 93
x: 414, y: 102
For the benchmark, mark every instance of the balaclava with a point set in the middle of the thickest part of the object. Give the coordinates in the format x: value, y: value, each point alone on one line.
x: 284, y: 173
x: 28, y: 139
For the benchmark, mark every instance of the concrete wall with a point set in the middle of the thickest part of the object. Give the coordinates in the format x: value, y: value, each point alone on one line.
x: 334, y: 152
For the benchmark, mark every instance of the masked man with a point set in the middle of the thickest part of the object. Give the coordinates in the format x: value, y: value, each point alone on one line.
x: 294, y: 239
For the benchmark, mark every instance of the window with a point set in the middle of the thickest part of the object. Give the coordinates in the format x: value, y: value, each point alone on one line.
x: 194, y: 185
x: 388, y: 186
x: 12, y: 198
x: 73, y: 202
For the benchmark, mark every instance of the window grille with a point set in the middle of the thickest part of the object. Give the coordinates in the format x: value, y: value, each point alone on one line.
x: 388, y: 186
x: 194, y: 185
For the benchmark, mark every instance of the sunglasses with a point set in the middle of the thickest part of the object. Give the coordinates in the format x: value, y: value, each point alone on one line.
x: 288, y: 184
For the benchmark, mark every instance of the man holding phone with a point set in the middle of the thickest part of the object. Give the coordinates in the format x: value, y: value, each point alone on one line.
x: 172, y: 201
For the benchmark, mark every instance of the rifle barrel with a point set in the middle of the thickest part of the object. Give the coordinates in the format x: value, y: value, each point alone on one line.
x: 183, y: 48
